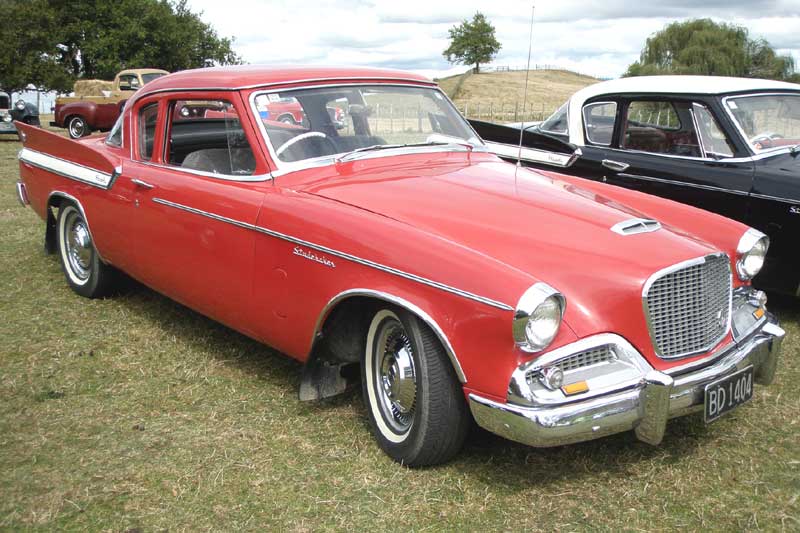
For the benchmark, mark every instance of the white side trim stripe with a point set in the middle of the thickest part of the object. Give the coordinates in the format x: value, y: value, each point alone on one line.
x: 65, y: 168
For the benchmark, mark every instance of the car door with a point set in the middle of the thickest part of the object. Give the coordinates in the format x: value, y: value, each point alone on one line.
x: 676, y: 149
x: 199, y: 191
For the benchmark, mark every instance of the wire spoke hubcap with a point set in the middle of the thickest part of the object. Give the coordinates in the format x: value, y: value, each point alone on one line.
x: 395, y: 376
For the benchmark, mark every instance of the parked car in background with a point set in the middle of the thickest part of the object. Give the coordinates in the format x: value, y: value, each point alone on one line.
x: 21, y: 110
x: 728, y: 145
x: 83, y: 114
x: 398, y: 249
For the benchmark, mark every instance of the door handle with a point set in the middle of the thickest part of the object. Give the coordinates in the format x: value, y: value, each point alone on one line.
x: 142, y: 184
x: 616, y: 166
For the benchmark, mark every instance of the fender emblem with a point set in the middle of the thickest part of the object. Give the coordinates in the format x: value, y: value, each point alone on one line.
x: 313, y: 257
x: 795, y: 210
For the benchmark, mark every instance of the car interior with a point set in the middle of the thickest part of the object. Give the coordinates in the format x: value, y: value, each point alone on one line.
x: 660, y: 127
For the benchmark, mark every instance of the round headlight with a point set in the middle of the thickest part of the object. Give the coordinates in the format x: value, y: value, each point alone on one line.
x: 7, y: 118
x: 538, y: 317
x: 751, y: 253
x: 20, y: 104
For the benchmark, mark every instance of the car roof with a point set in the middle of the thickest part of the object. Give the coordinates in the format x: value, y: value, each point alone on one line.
x: 707, y: 85
x: 248, y: 76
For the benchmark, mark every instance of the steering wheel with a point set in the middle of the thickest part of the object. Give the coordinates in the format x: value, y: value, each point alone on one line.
x: 767, y: 136
x: 303, y: 136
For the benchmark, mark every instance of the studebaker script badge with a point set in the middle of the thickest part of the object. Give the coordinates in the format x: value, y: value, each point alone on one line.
x: 314, y: 257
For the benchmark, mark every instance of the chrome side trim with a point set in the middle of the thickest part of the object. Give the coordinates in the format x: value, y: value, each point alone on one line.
x: 337, y: 253
x: 425, y: 317
x: 679, y: 266
x: 683, y: 183
x: 65, y: 168
x: 776, y: 198
x: 60, y: 194
x: 531, y: 154
x: 224, y: 177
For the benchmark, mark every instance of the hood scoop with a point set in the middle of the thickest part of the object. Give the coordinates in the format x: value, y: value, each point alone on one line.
x: 633, y: 226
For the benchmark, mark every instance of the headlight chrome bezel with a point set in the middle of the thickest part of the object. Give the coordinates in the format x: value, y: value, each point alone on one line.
x: 531, y: 300
x: 20, y: 105
x: 750, y: 241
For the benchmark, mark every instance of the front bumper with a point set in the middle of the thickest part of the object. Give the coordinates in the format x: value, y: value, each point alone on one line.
x: 645, y: 407
x: 7, y: 127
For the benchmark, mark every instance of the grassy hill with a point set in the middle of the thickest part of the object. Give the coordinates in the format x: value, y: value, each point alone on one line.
x: 495, y: 94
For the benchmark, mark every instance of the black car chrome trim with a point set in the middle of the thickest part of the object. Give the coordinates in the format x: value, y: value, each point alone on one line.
x: 532, y: 154
x: 337, y: 253
x: 673, y: 182
x: 776, y: 198
x: 67, y: 169
x: 402, y: 303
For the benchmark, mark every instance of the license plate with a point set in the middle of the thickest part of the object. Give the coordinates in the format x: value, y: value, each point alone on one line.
x: 728, y: 393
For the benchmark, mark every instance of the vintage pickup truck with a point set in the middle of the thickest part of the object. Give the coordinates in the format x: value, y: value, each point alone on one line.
x: 82, y: 114
x: 547, y: 308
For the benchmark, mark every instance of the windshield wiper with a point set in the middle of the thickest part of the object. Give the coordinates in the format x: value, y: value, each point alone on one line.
x: 353, y: 154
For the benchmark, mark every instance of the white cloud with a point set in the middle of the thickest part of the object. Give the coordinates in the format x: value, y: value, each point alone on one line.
x: 600, y: 38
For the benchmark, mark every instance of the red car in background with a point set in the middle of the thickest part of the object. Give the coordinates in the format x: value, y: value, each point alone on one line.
x: 458, y: 287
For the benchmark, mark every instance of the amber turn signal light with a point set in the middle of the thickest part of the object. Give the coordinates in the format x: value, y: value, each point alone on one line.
x: 575, y: 388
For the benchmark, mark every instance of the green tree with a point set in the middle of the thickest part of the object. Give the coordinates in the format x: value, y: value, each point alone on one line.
x: 472, y: 42
x: 56, y: 41
x: 705, y: 47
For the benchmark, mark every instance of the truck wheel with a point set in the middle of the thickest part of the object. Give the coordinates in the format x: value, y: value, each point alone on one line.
x: 77, y: 127
x: 287, y: 119
x: 415, y: 402
x: 86, y: 274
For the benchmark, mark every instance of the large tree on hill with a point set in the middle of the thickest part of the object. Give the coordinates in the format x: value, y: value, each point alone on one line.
x: 472, y: 42
x: 705, y: 47
x: 49, y: 43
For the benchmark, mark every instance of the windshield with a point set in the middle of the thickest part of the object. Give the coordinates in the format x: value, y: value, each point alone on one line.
x: 147, y: 78
x: 306, y: 124
x: 769, y: 121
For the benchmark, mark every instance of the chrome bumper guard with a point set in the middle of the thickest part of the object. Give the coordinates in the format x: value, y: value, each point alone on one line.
x: 644, y: 408
x: 22, y: 194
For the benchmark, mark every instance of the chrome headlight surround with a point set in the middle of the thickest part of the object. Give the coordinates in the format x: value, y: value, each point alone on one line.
x: 750, y: 254
x: 538, y: 317
x: 20, y: 105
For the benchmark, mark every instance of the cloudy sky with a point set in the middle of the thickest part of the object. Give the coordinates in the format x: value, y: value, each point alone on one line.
x: 599, y: 37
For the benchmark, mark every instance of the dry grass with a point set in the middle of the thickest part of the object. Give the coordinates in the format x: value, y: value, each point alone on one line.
x: 136, y: 414
x: 496, y: 94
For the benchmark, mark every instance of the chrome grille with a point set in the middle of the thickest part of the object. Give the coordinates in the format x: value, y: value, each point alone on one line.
x: 688, y: 306
x: 601, y: 354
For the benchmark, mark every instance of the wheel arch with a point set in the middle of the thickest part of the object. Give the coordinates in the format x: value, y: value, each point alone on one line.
x: 382, y: 296
x: 54, y: 201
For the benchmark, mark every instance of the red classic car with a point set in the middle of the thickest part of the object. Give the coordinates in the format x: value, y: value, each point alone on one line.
x: 547, y: 308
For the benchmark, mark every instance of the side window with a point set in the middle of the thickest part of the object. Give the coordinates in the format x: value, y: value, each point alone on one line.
x: 661, y: 128
x: 558, y: 121
x: 599, y: 119
x: 128, y: 82
x: 147, y: 130
x: 207, y: 136
x: 715, y: 142
x: 114, y: 137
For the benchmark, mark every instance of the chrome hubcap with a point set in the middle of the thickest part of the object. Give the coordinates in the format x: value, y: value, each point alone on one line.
x: 76, y: 127
x: 395, y: 376
x: 79, y: 246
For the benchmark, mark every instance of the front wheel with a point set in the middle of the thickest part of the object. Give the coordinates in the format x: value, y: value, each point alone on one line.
x: 86, y: 274
x: 415, y: 403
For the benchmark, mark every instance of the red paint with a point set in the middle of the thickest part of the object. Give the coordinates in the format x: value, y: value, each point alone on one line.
x: 469, y: 221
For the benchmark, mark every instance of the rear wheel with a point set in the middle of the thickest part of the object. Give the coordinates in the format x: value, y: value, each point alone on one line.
x: 415, y: 403
x: 287, y: 119
x: 77, y: 127
x: 85, y: 273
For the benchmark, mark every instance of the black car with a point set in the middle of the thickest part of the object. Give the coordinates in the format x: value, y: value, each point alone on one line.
x: 727, y: 145
x: 21, y: 110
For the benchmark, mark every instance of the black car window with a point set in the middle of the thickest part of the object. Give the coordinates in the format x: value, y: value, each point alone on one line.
x: 715, y: 142
x: 558, y: 122
x: 207, y: 136
x: 661, y: 128
x: 599, y: 118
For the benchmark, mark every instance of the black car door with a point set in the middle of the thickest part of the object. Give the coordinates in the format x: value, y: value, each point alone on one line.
x: 675, y: 148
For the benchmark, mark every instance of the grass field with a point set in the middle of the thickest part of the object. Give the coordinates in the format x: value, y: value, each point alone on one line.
x: 497, y: 95
x: 136, y: 414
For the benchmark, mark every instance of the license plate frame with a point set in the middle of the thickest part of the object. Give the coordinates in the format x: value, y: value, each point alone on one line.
x: 722, y: 396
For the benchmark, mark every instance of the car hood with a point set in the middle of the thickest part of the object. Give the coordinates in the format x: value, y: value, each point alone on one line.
x: 553, y: 230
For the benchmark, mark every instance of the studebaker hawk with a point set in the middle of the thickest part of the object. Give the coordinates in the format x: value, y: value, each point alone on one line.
x: 547, y: 308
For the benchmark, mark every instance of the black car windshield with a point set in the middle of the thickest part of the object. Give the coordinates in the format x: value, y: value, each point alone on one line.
x: 327, y: 122
x: 768, y: 121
